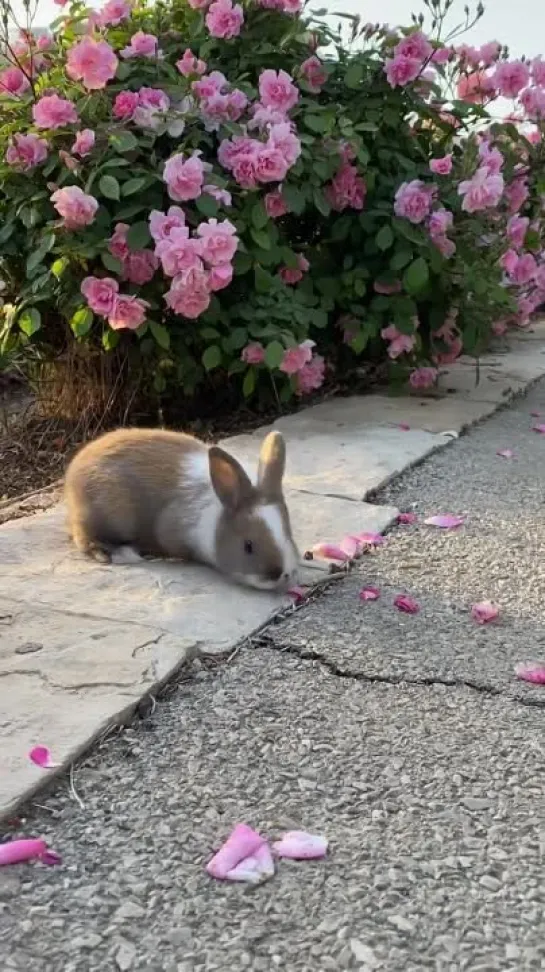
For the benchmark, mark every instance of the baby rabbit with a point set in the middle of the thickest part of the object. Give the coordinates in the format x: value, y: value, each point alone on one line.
x: 148, y: 491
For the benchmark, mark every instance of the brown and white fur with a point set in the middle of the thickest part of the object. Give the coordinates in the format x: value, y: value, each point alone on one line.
x: 134, y: 492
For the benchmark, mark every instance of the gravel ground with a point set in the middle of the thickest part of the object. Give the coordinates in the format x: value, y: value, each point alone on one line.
x: 404, y: 739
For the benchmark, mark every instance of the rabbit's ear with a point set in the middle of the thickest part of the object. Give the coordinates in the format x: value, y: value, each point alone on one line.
x: 231, y: 484
x: 272, y: 463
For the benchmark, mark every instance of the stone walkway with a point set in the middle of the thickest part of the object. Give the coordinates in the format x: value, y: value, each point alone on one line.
x: 81, y: 644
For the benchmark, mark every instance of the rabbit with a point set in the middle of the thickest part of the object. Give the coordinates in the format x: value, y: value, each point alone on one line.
x: 134, y: 492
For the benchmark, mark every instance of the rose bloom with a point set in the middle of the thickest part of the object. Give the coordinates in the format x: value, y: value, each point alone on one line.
x: 125, y: 104
x: 491, y: 158
x: 26, y: 151
x: 253, y: 353
x: 475, y: 88
x: 162, y: 224
x: 13, y: 82
x: 400, y: 71
x: 441, y: 166
x: 346, y: 190
x: 219, y: 241
x: 483, y: 191
x: 84, y: 142
x: 422, y: 378
x: 516, y: 194
x: 277, y: 90
x: 91, y: 62
x: 524, y: 270
x: 139, y: 266
x: 399, y: 343
x: 413, y: 201
x: 75, y: 206
x: 414, y: 45
x: 114, y: 12
x: 533, y: 102
x: 220, y: 276
x: 54, y: 112
x: 128, y: 312
x: 275, y: 204
x: 538, y: 72
x: 439, y: 222
x: 282, y: 137
x: 296, y: 358
x: 224, y: 20
x: 117, y: 244
x: 189, y: 293
x: 508, y: 261
x: 517, y: 227
x: 211, y: 84
x: 100, y: 294
x: 179, y: 252
x: 270, y: 165
x: 445, y: 246
x: 511, y: 77
x: 189, y: 65
x: 314, y: 73
x: 311, y: 376
x: 141, y: 45
x: 184, y: 177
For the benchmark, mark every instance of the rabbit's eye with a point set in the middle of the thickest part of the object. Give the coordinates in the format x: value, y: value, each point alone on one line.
x: 248, y: 547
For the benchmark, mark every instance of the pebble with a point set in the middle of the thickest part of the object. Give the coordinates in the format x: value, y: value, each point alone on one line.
x: 477, y: 803
x: 489, y: 882
x: 125, y: 956
x: 362, y: 953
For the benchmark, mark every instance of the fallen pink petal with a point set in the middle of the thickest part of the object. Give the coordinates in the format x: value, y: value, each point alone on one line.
x: 298, y: 845
x: 539, y: 428
x: 254, y: 869
x: 531, y: 672
x: 329, y: 551
x: 351, y: 546
x: 535, y: 414
x: 242, y: 843
x: 484, y: 611
x: 298, y: 594
x: 505, y: 453
x: 369, y: 594
x: 404, y: 426
x: 371, y: 539
x: 407, y: 518
x: 445, y: 521
x: 51, y: 858
x: 407, y: 604
x: 41, y: 756
x: 25, y: 849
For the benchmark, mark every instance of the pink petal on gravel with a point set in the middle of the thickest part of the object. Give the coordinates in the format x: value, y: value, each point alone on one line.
x: 371, y: 539
x: 539, y: 428
x: 407, y: 604
x: 51, y: 858
x: 531, y: 672
x: 505, y: 453
x: 297, y: 845
x: 404, y: 426
x: 329, y: 551
x: 407, y: 518
x: 484, y: 611
x: 243, y: 842
x: 351, y: 546
x: 25, y: 849
x: 298, y: 594
x: 535, y: 414
x: 41, y: 756
x: 254, y: 869
x: 446, y: 521
x: 369, y: 594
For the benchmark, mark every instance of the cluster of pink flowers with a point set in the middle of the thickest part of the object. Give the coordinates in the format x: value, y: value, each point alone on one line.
x: 449, y: 337
x: 189, y: 65
x: 485, y: 189
x: 143, y: 107
x: 413, y: 201
x: 138, y: 266
x: 314, y: 73
x: 141, y: 45
x: 26, y: 151
x: 216, y: 104
x: 252, y: 161
x: 409, y: 58
x: 399, y: 343
x: 299, y: 362
x: 293, y: 275
x: 422, y: 378
x: 347, y: 189
x: 120, y: 310
x: 439, y: 223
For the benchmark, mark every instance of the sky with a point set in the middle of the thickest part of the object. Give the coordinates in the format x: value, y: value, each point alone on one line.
x: 520, y: 24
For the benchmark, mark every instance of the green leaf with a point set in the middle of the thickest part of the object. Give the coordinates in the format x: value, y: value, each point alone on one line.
x: 319, y: 318
x: 6, y: 232
x: 238, y: 338
x: 59, y: 266
x: 123, y: 70
x: 242, y: 263
x: 384, y: 238
x: 274, y: 352
x: 138, y: 236
x: 264, y: 281
x: 207, y: 205
x: 209, y: 333
x: 416, y: 276
x: 30, y: 321
x: 111, y: 264
x: 405, y: 229
x: 110, y: 339
x: 109, y: 187
x: 134, y: 185
x: 123, y: 142
x: 318, y: 123
x: 160, y: 334
x: 400, y: 259
x: 81, y: 322
x: 294, y: 198
x: 248, y: 385
x: 38, y: 254
x: 261, y: 237
x: 354, y: 75
x: 211, y: 358
x: 259, y: 216
x: 321, y: 202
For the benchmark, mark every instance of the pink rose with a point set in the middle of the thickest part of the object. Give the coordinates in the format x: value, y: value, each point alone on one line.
x: 117, y: 244
x: 441, y: 166
x: 209, y: 85
x: 347, y: 190
x: 100, y: 294
x: 491, y: 158
x: 224, y: 20
x: 511, y: 77
x: 399, y: 343
x: 141, y: 45
x: 220, y: 277
x: 270, y: 165
x: 84, y: 142
x: 253, y: 353
x: 263, y: 117
x: 275, y: 204
x: 219, y: 241
x: 516, y: 194
x: 538, y: 72
x: 184, y: 177
x: 13, y: 82
x: 413, y: 201
x: 91, y: 62
x: 189, y: 65
x: 441, y: 56
x: 68, y: 161
x: 151, y: 102
x: 198, y: 4
x: 508, y: 261
x: 311, y: 376
x: 524, y: 270
x: 221, y: 196
x: 517, y: 227
x: 292, y: 275
x: 244, y: 171
x: 26, y: 151
x: 533, y: 102
x: 230, y: 150
x: 402, y: 70
x: 414, y: 45
x: 277, y: 90
x: 54, y: 112
x: 125, y: 104
x: 445, y: 246
x: 314, y: 73
x: 440, y: 222
x: 179, y: 252
x: 422, y: 378
x: 296, y: 358
x: 114, y: 12
x: 189, y: 293
x: 281, y: 137
x: 139, y: 266
x: 483, y: 191
x: 75, y: 206
x: 475, y: 88
x: 162, y: 224
x: 127, y: 312
x: 489, y: 53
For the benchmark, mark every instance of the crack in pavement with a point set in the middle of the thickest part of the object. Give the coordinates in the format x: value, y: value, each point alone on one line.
x: 309, y: 654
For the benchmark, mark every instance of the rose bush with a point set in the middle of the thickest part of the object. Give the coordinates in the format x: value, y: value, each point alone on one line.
x: 195, y: 182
